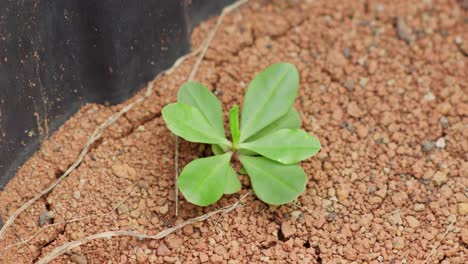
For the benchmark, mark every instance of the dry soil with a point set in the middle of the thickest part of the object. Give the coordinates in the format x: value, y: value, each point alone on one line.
x: 383, y: 86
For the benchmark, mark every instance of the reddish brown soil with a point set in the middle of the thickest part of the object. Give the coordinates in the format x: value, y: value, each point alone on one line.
x: 380, y: 191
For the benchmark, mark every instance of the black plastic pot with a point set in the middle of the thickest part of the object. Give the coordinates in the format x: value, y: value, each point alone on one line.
x: 58, y: 55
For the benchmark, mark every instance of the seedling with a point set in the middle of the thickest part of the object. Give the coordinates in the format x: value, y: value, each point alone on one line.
x: 267, y: 141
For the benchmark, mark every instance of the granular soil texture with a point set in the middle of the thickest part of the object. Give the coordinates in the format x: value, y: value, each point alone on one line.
x: 383, y: 86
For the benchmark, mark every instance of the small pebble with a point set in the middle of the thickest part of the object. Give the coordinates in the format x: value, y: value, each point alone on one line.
x: 342, y: 193
x: 419, y: 207
x: 124, y: 171
x: 443, y: 122
x: 336, y: 58
x: 164, y: 209
x: 211, y: 241
x: 464, y: 235
x: 361, y: 61
x: 203, y: 257
x: 412, y: 221
x: 143, y: 184
x: 122, y: 209
x: 76, y: 195
x: 349, y: 85
x: 348, y: 126
x: 429, y: 97
x: 287, y: 229
x: 141, y: 256
x: 362, y: 131
x: 363, y: 82
x: 346, y: 53
x: 462, y: 208
x: 163, y: 250
x: 399, y: 198
x: 395, y: 218
x: 439, y: 178
x: 444, y: 108
x: 217, y: 259
x: 78, y: 258
x: 331, y: 217
x: 440, y: 143
x: 135, y: 214
x: 188, y: 230
x: 379, y: 8
x: 427, y: 145
x: 404, y: 31
x: 296, y: 214
x: 326, y: 203
x: 399, y: 243
x: 45, y: 217
x: 354, y: 110
x: 322, y: 88
x: 168, y: 260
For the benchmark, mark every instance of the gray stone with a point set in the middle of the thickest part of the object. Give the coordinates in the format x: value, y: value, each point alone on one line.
x: 427, y: 145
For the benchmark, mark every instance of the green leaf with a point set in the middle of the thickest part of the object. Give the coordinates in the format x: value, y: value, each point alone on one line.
x: 242, y: 170
x: 270, y: 95
x: 287, y: 146
x: 246, y: 152
x: 233, y: 184
x: 217, y: 150
x: 199, y: 96
x: 273, y: 182
x: 290, y: 120
x: 189, y: 123
x: 203, y: 181
x: 234, y: 124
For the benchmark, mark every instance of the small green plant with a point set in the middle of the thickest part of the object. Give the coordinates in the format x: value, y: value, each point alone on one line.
x: 267, y: 141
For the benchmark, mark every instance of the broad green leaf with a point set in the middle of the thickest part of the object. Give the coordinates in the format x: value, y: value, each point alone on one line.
x: 273, y: 182
x: 290, y: 120
x: 233, y: 184
x: 203, y: 181
x: 242, y: 170
x: 234, y: 124
x: 199, y: 96
x: 216, y: 149
x: 270, y: 95
x: 189, y: 123
x: 287, y: 146
x: 246, y: 152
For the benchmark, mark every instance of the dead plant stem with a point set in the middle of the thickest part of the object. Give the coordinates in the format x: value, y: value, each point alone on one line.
x: 437, y: 244
x: 67, y: 246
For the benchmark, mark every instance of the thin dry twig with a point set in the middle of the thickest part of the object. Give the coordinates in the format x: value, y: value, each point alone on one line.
x: 67, y: 246
x: 91, y: 140
x: 463, y: 186
x: 449, y: 228
x: 23, y: 242
x: 204, y: 47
